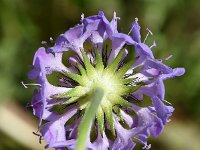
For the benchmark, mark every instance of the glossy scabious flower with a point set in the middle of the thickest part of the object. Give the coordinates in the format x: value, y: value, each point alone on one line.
x: 120, y: 120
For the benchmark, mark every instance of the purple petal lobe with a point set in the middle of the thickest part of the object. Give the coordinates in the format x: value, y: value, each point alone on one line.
x: 135, y: 28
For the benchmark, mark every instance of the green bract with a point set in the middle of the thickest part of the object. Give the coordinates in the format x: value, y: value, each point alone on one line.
x: 109, y: 78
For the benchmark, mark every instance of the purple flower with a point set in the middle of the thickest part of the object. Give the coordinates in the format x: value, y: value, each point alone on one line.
x: 120, y: 122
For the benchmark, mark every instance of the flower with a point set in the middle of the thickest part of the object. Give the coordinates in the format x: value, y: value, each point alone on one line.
x: 120, y: 120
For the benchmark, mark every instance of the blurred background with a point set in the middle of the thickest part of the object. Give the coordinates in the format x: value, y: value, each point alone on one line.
x: 24, y: 24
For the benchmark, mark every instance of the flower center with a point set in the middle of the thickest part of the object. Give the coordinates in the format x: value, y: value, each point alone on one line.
x: 107, y: 82
x: 110, y: 78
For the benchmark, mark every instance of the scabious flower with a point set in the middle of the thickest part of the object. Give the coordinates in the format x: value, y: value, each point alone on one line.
x: 120, y: 120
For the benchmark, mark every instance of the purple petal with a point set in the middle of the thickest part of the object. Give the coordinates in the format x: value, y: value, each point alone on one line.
x: 44, y: 64
x: 142, y: 53
x: 47, y: 61
x: 118, y: 41
x: 163, y: 111
x: 54, y: 131
x: 146, y: 123
x: 175, y: 73
x: 164, y: 69
x: 135, y: 28
x: 156, y: 88
x: 101, y: 142
x: 123, y: 140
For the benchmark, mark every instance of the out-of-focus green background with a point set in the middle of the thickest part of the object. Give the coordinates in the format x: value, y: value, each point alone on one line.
x: 25, y: 23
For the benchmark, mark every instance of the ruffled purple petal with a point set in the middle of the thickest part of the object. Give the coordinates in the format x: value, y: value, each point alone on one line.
x: 135, y: 29
x: 101, y: 142
x: 142, y: 54
x: 146, y: 124
x: 164, y: 69
x: 118, y: 41
x: 156, y: 88
x: 175, y: 73
x: 123, y: 140
x: 54, y: 131
x: 46, y: 61
x: 163, y: 111
x: 44, y: 64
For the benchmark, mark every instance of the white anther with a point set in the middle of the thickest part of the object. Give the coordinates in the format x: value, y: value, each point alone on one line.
x: 51, y: 40
x: 148, y: 32
x: 82, y: 16
x: 115, y: 16
x: 146, y: 146
x: 44, y: 42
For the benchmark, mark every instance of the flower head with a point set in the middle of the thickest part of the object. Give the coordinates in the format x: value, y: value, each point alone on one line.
x: 120, y: 120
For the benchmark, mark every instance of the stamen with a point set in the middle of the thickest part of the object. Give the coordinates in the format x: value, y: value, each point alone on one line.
x: 44, y: 43
x: 167, y: 58
x: 148, y: 32
x: 26, y: 85
x: 28, y: 105
x: 51, y: 40
x: 166, y: 102
x: 115, y: 16
x: 82, y: 16
x: 136, y: 20
x: 146, y: 146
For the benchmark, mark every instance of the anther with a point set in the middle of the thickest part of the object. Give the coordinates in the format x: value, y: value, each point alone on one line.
x: 148, y: 32
x: 146, y: 146
x: 82, y: 16
x: 28, y: 105
x: 51, y: 40
x: 115, y: 16
x: 154, y: 44
x: 44, y: 43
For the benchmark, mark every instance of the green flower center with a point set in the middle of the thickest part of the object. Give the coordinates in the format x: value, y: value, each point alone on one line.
x: 110, y: 79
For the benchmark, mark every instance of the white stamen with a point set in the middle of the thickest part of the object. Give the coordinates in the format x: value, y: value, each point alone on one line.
x: 136, y: 20
x: 166, y: 102
x: 44, y: 42
x: 30, y: 84
x: 130, y: 30
x: 148, y: 32
x: 146, y: 146
x: 169, y: 57
x: 51, y: 40
x: 115, y: 16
